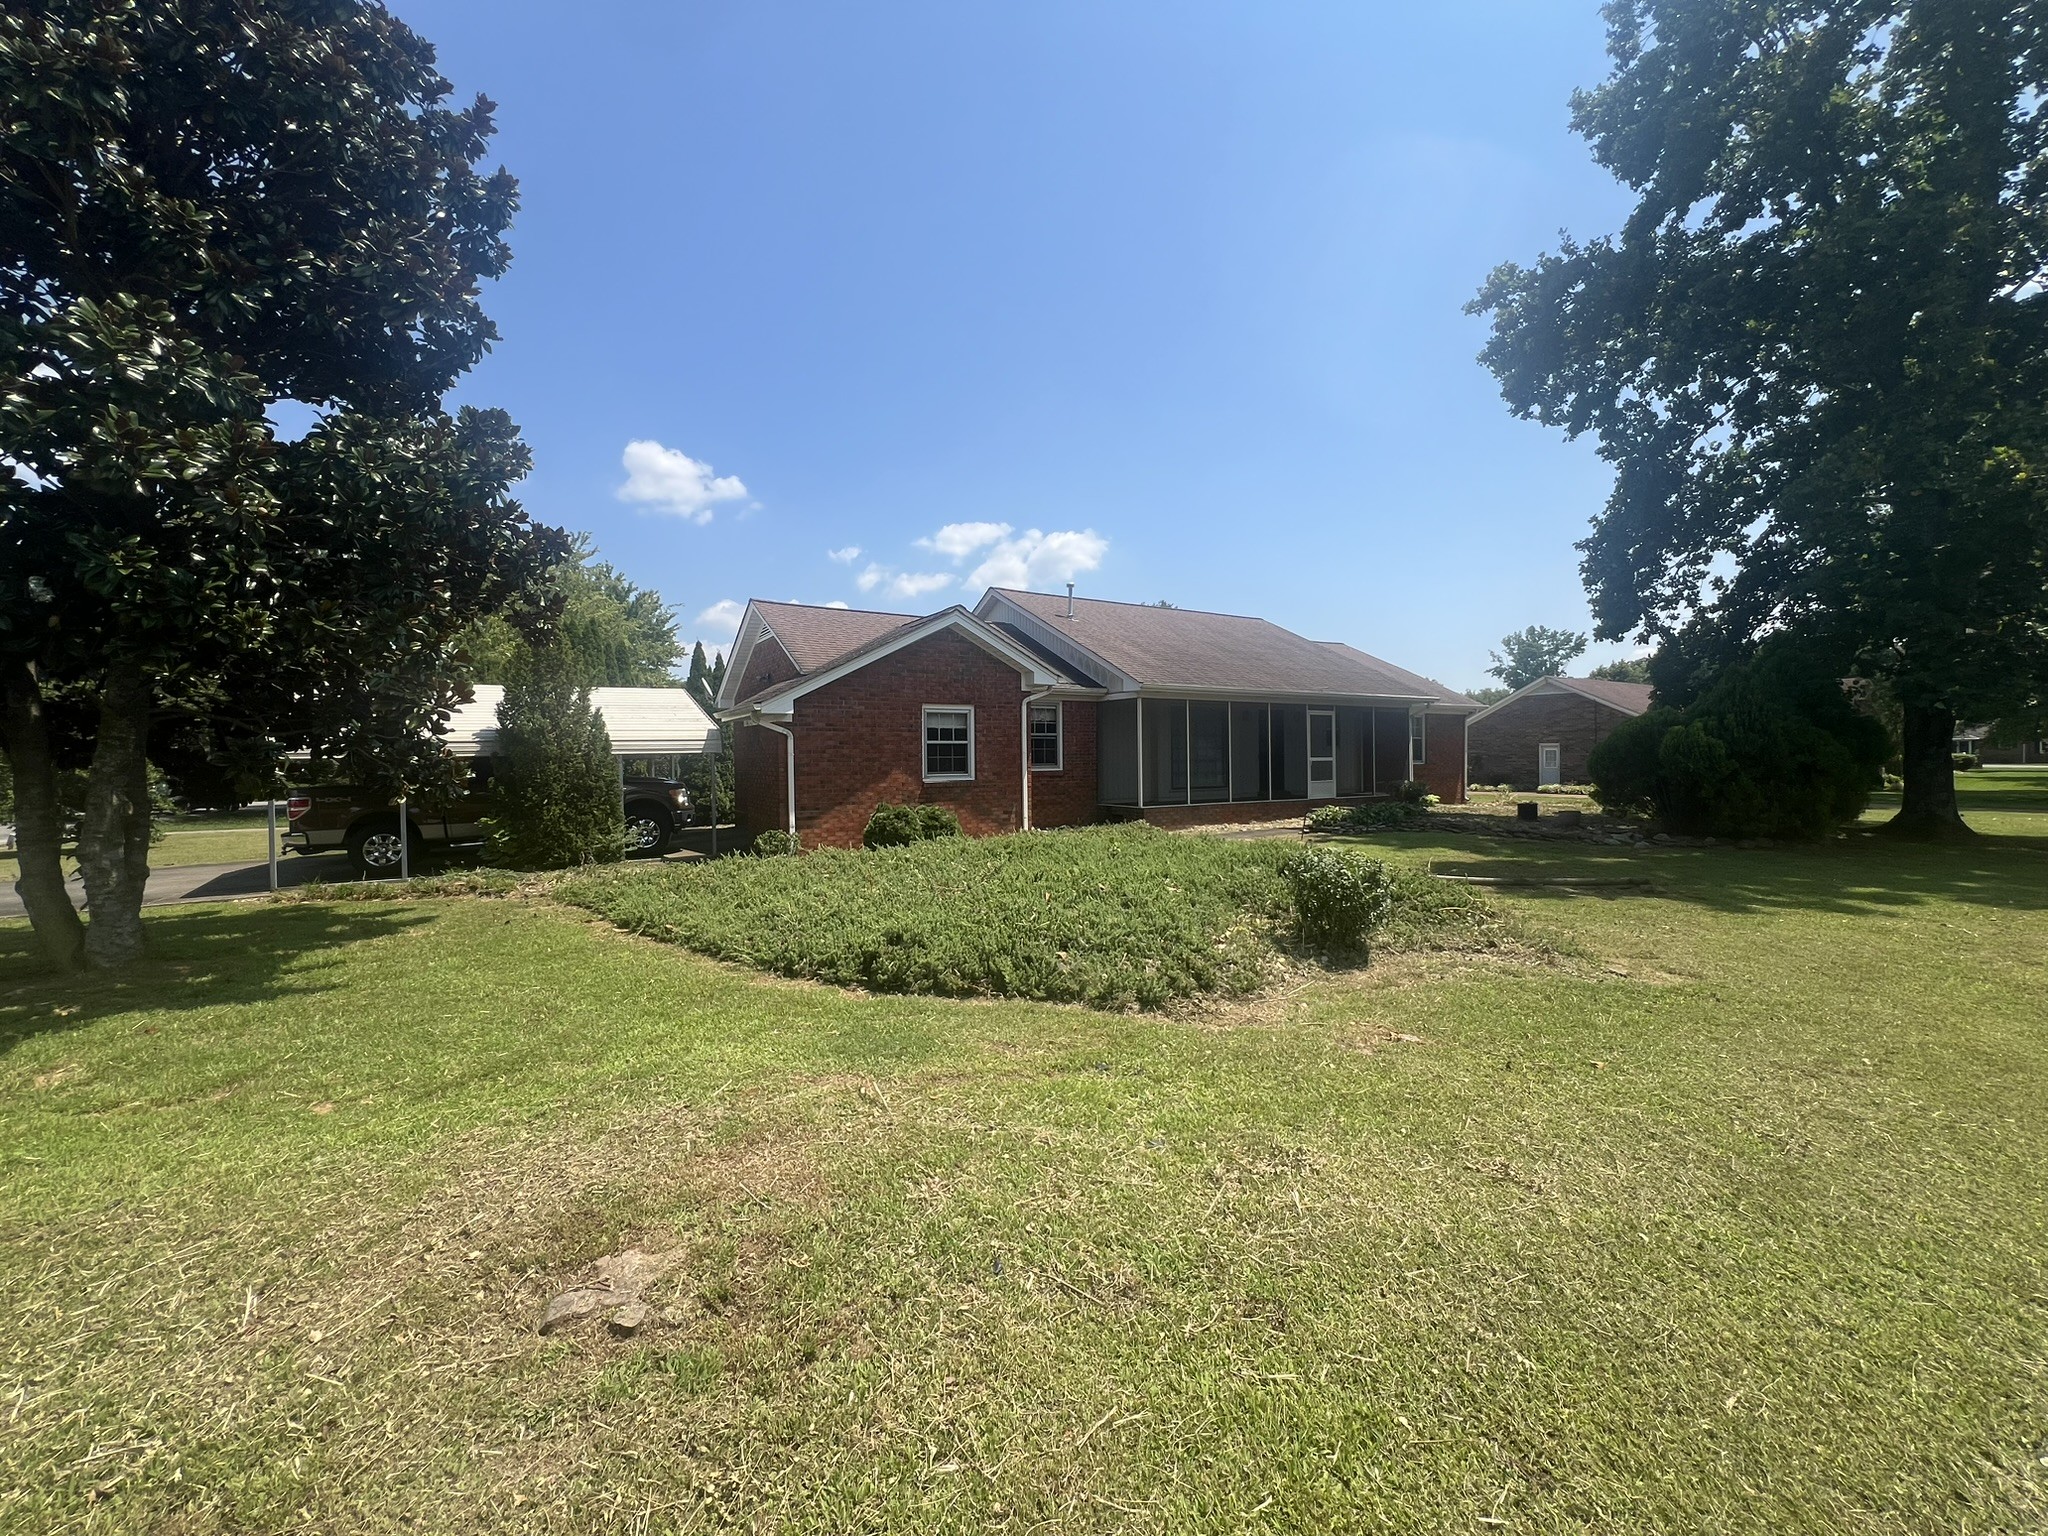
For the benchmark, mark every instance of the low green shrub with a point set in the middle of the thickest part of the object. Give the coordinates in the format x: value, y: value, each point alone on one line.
x: 1116, y: 917
x: 776, y: 844
x: 1339, y: 898
x: 898, y: 826
x: 1965, y: 762
x: 1414, y: 792
x: 1376, y: 816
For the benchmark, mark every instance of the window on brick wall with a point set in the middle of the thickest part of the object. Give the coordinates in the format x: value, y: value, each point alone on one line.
x: 1419, y: 737
x: 948, y: 741
x: 1045, y: 736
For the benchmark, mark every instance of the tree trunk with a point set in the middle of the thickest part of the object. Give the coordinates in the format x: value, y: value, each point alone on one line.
x: 113, y: 834
x: 1927, y: 810
x: 39, y: 824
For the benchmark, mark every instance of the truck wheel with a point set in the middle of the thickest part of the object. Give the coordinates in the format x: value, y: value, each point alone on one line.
x: 648, y: 831
x: 373, y: 850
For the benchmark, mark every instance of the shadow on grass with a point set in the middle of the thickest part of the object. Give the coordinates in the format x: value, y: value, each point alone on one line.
x: 1862, y: 872
x: 197, y: 959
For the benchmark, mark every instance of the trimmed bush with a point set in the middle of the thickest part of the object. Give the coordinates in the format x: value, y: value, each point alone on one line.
x: 1379, y: 816
x: 1769, y: 751
x: 898, y: 826
x: 1965, y: 762
x: 1414, y: 792
x: 555, y: 784
x: 777, y: 844
x: 1338, y: 898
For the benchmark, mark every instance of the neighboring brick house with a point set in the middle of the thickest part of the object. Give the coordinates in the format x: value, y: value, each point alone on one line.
x: 1546, y: 732
x: 1042, y: 711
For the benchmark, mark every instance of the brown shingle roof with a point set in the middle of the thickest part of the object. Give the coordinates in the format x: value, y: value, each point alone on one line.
x: 1629, y: 698
x: 817, y: 637
x: 1414, y: 682
x: 1184, y: 648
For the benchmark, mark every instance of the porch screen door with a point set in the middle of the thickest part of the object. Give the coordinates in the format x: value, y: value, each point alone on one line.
x: 1322, y: 754
x: 1547, y: 771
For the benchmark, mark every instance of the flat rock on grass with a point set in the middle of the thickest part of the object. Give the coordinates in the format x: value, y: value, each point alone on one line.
x: 614, y: 1286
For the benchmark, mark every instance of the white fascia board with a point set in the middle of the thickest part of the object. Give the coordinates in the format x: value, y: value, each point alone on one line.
x: 752, y: 628
x: 1281, y: 696
x: 1541, y: 685
x: 779, y: 703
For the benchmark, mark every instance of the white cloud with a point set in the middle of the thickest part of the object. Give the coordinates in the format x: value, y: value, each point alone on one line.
x: 669, y: 480
x: 957, y: 541
x: 844, y: 556
x: 1042, y: 560
x: 918, y: 583
x: 836, y: 603
x: 722, y: 618
x: 870, y: 578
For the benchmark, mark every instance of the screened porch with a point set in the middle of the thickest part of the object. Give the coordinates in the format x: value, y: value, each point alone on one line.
x: 1211, y: 751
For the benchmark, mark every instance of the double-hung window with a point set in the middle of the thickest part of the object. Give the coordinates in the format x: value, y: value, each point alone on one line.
x: 1045, y: 736
x: 1418, y: 739
x: 948, y: 742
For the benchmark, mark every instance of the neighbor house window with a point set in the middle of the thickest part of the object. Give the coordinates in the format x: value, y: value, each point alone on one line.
x: 1418, y: 739
x: 1045, y: 735
x: 948, y: 742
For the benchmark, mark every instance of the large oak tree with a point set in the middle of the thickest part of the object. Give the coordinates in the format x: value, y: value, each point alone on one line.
x: 1817, y: 352
x: 208, y: 207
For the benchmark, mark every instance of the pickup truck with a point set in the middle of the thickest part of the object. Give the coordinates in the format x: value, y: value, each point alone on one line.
x: 330, y: 816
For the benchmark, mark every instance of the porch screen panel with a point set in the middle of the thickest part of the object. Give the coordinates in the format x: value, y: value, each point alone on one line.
x: 1354, y: 751
x: 1390, y: 760
x: 1209, y: 751
x: 1166, y: 751
x: 1116, y: 752
x: 1251, y: 776
x: 1290, y: 752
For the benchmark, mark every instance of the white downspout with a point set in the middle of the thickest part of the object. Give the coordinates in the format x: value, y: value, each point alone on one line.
x: 789, y: 771
x: 1029, y: 700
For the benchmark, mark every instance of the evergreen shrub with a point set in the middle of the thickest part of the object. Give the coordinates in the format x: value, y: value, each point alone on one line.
x: 554, y: 784
x: 898, y: 826
x: 1338, y: 898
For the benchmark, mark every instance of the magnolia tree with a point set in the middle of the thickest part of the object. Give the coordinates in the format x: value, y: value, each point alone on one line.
x: 208, y: 207
x: 1817, y: 352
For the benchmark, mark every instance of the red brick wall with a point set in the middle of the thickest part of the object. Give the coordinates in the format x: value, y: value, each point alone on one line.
x: 758, y: 761
x: 860, y: 741
x: 1505, y: 743
x: 1067, y: 798
x: 1443, y: 757
x: 767, y: 664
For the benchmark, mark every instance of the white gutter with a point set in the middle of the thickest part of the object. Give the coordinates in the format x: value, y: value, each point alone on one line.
x: 789, y: 772
x: 1029, y: 700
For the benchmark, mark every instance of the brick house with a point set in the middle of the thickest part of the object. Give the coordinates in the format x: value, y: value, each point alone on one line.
x: 1544, y: 733
x: 1039, y: 711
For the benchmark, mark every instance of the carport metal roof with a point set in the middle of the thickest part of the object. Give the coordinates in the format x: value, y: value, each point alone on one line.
x: 640, y: 721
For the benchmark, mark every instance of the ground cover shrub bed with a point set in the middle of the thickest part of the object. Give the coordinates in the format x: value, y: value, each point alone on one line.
x: 1116, y: 917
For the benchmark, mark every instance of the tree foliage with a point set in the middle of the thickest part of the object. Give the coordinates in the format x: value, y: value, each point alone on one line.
x: 1535, y: 652
x: 612, y: 633
x: 554, y: 785
x: 1815, y: 354
x: 1634, y: 669
x: 1775, y: 748
x: 208, y: 207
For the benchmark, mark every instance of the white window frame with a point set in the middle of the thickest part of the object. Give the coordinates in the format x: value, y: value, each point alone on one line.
x: 1418, y: 740
x: 1059, y: 717
x: 924, y: 743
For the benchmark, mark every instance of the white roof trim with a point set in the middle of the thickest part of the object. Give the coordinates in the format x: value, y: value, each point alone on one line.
x: 752, y: 628
x: 1551, y: 685
x: 779, y: 702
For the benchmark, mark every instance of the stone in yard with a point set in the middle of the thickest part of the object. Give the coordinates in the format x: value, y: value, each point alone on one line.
x: 633, y: 1270
x: 572, y: 1307
x: 630, y: 1319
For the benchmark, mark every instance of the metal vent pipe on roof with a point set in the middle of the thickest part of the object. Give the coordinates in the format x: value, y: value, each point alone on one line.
x: 1070, y: 599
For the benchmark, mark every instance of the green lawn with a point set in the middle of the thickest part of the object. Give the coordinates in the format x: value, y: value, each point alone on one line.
x: 1724, y: 1215
x: 233, y: 838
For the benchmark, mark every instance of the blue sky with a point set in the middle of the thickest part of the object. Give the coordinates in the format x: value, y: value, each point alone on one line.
x: 1170, y: 295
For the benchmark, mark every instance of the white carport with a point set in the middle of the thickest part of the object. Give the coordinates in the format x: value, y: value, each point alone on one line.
x: 642, y: 722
